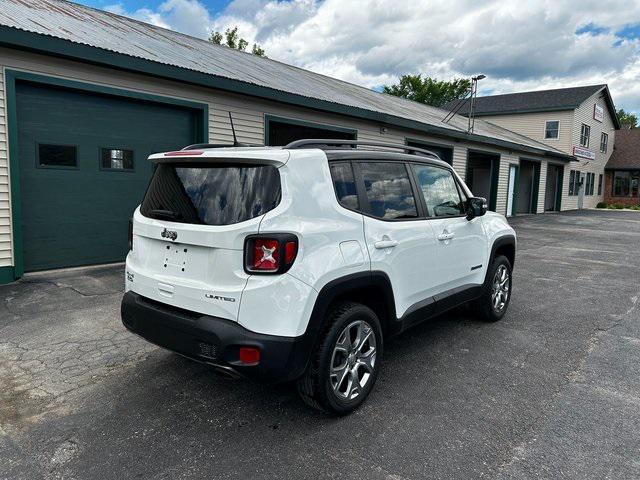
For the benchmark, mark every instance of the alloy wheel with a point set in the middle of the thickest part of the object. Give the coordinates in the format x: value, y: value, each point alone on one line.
x: 353, y: 360
x: 500, y: 288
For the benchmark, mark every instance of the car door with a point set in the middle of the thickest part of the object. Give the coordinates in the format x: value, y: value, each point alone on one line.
x: 399, y: 239
x: 461, y: 246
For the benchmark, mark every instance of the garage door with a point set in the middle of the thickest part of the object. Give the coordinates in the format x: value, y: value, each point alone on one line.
x: 84, y: 169
x: 281, y: 133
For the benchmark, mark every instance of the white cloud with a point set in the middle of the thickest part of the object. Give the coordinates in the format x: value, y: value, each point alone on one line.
x: 518, y: 45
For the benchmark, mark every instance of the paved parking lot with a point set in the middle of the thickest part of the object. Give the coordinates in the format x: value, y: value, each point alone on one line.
x: 552, y: 391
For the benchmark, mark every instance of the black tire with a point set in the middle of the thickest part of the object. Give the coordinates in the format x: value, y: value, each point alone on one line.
x: 484, y: 305
x: 316, y: 386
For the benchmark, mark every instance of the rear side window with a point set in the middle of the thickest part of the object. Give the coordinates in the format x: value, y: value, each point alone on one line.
x: 345, y: 185
x: 211, y: 194
x: 388, y: 190
x: 439, y: 190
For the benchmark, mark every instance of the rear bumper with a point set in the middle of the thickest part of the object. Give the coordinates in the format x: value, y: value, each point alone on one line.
x: 214, y: 340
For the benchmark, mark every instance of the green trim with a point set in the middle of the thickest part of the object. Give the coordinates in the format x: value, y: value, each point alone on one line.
x: 559, y: 187
x: 495, y: 178
x: 66, y: 49
x: 11, y: 76
x: 536, y: 187
x: 7, y: 275
x: 516, y: 182
x: 268, y: 118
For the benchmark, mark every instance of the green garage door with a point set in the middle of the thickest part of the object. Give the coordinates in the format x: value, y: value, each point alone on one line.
x: 84, y: 169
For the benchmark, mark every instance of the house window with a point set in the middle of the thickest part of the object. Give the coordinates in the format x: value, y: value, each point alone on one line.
x: 600, y: 184
x: 634, y: 187
x: 585, y: 133
x: 552, y: 129
x: 574, y: 182
x: 604, y: 142
x: 591, y: 180
x: 116, y: 159
x: 621, y: 184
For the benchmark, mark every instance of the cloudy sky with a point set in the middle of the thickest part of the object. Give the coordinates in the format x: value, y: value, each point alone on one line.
x: 519, y: 45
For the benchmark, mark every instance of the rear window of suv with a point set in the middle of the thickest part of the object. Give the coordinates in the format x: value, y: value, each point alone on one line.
x: 211, y: 194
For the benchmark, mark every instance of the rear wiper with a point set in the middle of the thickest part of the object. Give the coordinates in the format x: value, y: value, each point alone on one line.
x: 166, y: 214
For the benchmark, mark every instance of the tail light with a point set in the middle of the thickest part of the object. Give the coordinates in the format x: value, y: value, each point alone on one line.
x: 269, y: 254
x: 130, y: 234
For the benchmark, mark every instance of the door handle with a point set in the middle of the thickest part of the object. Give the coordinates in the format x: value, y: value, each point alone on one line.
x: 443, y: 237
x: 385, y: 244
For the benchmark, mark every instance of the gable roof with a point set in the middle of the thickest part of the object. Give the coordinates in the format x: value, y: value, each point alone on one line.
x: 538, y: 101
x: 626, y: 150
x: 65, y: 29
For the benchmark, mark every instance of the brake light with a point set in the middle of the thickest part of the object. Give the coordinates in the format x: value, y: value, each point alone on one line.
x: 184, y: 153
x: 273, y: 253
x: 266, y: 255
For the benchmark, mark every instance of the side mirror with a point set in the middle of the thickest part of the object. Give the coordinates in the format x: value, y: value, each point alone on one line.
x: 476, y: 207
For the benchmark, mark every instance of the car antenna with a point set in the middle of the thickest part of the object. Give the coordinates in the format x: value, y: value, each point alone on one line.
x: 233, y: 131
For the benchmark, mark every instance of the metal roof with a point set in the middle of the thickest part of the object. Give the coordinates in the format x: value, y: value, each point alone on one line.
x: 70, y: 28
x: 538, y: 101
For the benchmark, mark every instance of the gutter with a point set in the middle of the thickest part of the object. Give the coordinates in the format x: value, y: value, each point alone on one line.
x: 35, y: 42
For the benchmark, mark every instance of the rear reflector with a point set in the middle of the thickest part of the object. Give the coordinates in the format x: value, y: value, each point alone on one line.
x: 249, y: 355
x: 184, y: 153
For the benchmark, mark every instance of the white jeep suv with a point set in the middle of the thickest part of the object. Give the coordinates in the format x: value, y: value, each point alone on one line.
x: 297, y: 263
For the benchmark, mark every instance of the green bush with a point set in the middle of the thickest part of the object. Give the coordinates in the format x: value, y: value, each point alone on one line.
x: 618, y: 206
x: 601, y: 205
x: 635, y: 207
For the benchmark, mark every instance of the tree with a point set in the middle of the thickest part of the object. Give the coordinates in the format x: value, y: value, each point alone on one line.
x: 627, y: 119
x: 231, y: 39
x: 429, y: 91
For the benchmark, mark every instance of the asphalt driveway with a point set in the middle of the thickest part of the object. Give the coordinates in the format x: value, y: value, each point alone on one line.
x: 552, y: 391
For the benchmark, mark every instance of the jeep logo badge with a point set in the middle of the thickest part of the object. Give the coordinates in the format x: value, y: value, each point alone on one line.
x: 170, y: 234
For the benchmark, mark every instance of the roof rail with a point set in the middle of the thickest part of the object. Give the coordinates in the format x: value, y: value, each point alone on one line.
x: 327, y: 143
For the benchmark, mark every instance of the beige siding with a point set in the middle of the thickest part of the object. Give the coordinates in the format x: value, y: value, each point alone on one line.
x: 533, y: 124
x: 584, y: 114
x: 6, y: 257
x: 248, y: 115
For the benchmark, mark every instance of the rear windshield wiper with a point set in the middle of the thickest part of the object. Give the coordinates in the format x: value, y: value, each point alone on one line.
x: 168, y: 214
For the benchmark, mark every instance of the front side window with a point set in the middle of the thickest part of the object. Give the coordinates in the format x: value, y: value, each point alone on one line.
x: 116, y: 159
x: 345, y: 185
x: 604, y: 142
x: 621, y: 184
x: 388, y: 190
x: 552, y: 129
x: 585, y: 133
x: 211, y: 194
x: 439, y: 191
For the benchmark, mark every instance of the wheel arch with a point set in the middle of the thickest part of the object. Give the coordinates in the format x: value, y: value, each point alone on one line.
x: 505, y: 245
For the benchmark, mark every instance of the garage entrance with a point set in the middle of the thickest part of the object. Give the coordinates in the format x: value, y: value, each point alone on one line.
x: 527, y: 188
x: 483, y: 171
x: 282, y: 131
x: 553, y: 191
x: 445, y: 153
x: 83, y: 169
